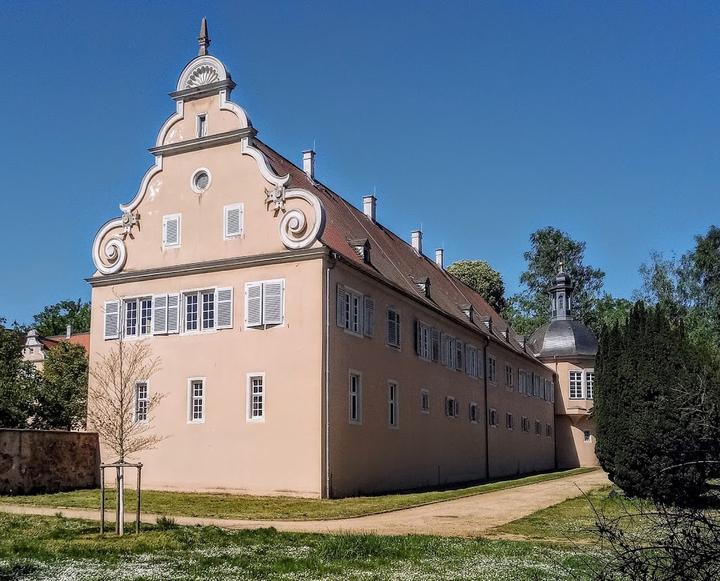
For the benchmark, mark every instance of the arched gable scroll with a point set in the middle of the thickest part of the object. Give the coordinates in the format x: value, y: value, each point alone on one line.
x: 298, y: 227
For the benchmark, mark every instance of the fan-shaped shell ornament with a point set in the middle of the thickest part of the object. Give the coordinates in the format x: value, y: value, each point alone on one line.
x: 202, y: 75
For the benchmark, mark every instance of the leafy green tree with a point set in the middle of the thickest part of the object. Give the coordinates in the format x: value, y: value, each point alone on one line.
x: 608, y: 311
x: 549, y: 247
x: 62, y: 398
x: 54, y: 319
x: 19, y: 381
x: 482, y: 278
x: 657, y: 421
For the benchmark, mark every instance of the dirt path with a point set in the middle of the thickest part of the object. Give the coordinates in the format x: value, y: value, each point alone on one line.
x: 466, y: 517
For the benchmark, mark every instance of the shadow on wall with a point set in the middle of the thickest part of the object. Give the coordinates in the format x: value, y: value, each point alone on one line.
x: 42, y: 461
x: 566, y: 447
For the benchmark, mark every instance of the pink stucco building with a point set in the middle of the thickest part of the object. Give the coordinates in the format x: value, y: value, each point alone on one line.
x: 306, y: 349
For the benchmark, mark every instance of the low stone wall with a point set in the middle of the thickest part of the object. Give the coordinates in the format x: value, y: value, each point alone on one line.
x: 36, y: 461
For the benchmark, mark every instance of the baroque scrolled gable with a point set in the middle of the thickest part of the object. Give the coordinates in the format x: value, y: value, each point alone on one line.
x: 299, y: 213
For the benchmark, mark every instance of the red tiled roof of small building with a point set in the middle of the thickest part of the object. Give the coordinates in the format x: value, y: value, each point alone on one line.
x: 82, y: 339
x: 392, y: 259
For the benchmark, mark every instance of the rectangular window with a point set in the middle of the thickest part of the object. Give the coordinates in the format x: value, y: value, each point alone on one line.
x: 141, y: 401
x: 524, y: 424
x: 208, y: 310
x: 471, y: 360
x: 509, y: 424
x: 393, y: 327
x: 233, y: 221
x: 492, y: 369
x: 492, y: 416
x: 197, y: 400
x: 265, y: 303
x: 202, y: 125
x: 508, y: 377
x: 452, y: 407
x: 171, y: 230
x: 350, y: 310
x: 424, y: 340
x: 435, y: 345
x: 587, y: 436
x: 450, y: 357
x: 538, y: 427
x: 146, y: 316
x: 589, y: 384
x: 256, y: 397
x: 576, y: 385
x: 425, y: 401
x: 548, y: 430
x: 459, y: 353
x: 393, y: 405
x: 355, y: 398
x: 131, y: 318
x: 191, y: 312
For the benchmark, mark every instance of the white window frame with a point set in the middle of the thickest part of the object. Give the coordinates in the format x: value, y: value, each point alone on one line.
x: 202, y: 123
x: 524, y: 424
x: 353, y: 308
x: 473, y: 412
x: 250, y: 397
x: 424, y: 339
x: 575, y: 384
x: 393, y: 404
x: 589, y: 387
x: 137, y: 300
x: 451, y: 406
x: 166, y: 218
x: 397, y: 322
x: 424, y: 397
x: 471, y: 360
x: 238, y: 206
x: 146, y: 400
x: 509, y: 421
x: 191, y: 400
x: 538, y: 428
x: 353, y: 373
x: 199, y: 294
x: 509, y: 377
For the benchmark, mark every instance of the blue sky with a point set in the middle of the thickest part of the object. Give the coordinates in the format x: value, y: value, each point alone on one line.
x: 479, y: 121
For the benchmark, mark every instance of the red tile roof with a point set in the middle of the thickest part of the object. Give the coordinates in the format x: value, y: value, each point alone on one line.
x: 82, y: 339
x: 392, y: 260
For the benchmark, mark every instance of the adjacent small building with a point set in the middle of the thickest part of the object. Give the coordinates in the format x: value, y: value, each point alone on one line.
x: 569, y: 348
x: 305, y: 348
x: 36, y: 346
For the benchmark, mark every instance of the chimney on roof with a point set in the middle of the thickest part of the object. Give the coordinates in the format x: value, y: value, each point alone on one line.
x: 68, y: 331
x: 416, y: 240
x: 440, y: 258
x: 369, y: 206
x: 309, y: 163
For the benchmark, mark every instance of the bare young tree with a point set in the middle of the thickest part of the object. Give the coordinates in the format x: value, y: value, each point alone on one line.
x: 123, y: 426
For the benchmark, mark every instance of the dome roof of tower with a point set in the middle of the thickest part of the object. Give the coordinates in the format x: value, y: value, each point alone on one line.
x: 563, y: 338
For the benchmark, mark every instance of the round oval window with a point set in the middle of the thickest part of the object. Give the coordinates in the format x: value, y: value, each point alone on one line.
x: 201, y: 181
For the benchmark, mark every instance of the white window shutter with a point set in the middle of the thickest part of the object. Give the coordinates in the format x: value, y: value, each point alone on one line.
x: 253, y: 304
x: 159, y: 308
x: 340, y: 306
x: 171, y: 230
x: 112, y: 319
x: 369, y: 318
x: 173, y: 313
x: 233, y: 220
x: 443, y: 349
x: 273, y: 302
x: 224, y: 306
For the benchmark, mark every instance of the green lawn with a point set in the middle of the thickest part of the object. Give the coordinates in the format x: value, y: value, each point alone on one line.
x: 572, y: 520
x: 285, y: 508
x: 51, y: 548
